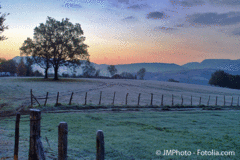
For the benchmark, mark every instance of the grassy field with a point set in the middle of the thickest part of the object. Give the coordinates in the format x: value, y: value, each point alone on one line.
x: 131, y: 135
x: 16, y: 92
x: 128, y: 135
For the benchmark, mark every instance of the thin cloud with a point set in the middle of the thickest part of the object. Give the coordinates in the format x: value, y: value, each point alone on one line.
x: 123, y: 1
x: 155, y: 15
x: 161, y: 28
x: 229, y: 18
x: 180, y: 25
x: 225, y: 2
x: 72, y: 5
x: 130, y: 18
x: 187, y: 3
x: 139, y: 6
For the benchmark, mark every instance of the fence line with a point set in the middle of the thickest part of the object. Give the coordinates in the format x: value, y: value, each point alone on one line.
x: 36, y: 150
x: 138, y: 100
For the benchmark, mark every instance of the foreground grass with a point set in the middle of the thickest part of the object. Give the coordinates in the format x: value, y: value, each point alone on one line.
x: 135, y: 135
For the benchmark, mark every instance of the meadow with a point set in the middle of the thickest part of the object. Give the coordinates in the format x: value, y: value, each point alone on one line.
x: 16, y: 92
x: 131, y: 135
x: 134, y: 134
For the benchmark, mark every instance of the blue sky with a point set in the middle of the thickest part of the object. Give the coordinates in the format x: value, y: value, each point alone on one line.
x: 134, y: 31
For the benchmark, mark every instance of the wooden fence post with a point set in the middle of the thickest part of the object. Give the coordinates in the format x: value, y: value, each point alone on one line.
x: 139, y: 98
x: 224, y: 100
x: 100, y: 98
x: 126, y: 98
x: 232, y: 101
x: 62, y: 140
x: 172, y: 100
x: 191, y: 100
x: 35, y: 149
x: 208, y: 101
x: 200, y: 101
x: 16, y: 136
x: 113, y: 98
x: 86, y: 99
x: 70, y: 101
x: 46, y: 99
x: 182, y: 100
x: 57, y: 99
x: 31, y: 98
x: 216, y: 101
x: 162, y: 100
x: 100, y: 145
x: 151, y: 99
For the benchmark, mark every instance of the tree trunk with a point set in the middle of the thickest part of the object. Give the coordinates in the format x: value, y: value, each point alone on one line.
x: 46, y: 73
x: 56, y: 73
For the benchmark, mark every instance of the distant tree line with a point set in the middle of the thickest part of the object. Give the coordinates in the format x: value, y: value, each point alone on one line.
x: 21, y: 69
x: 223, y: 79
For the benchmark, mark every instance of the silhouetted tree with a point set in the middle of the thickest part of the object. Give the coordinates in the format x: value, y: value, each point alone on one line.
x: 141, y: 73
x: 9, y: 66
x: 21, y: 69
x: 97, y: 73
x: 2, y: 26
x: 38, y: 49
x: 58, y: 44
x: 219, y: 78
x: 88, y: 70
x: 29, y: 63
x: 127, y: 75
x: 112, y: 69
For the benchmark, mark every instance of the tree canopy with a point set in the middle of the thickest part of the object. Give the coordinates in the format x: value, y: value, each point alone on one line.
x: 2, y: 26
x: 112, y: 69
x: 56, y: 43
x: 141, y: 73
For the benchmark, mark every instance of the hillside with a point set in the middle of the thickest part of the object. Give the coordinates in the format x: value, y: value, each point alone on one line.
x: 193, y: 72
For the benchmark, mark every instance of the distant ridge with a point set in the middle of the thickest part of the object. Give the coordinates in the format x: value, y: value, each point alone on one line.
x: 193, y: 72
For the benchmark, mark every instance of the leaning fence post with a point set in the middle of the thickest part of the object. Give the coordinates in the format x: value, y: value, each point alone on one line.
x: 16, y: 136
x: 139, y: 98
x: 100, y: 145
x: 208, y: 101
x: 114, y: 97
x: 46, y: 99
x: 126, y: 98
x: 62, y: 140
x: 70, y: 101
x: 35, y: 149
x: 31, y: 98
x: 86, y: 99
x: 232, y: 101
x: 151, y: 99
x: 172, y: 100
x: 100, y: 98
x: 57, y: 99
x: 162, y: 101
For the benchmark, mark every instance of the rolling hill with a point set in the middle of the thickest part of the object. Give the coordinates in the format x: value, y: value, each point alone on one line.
x: 193, y: 72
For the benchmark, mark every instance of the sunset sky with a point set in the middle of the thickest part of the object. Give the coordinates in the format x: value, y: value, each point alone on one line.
x: 134, y: 31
